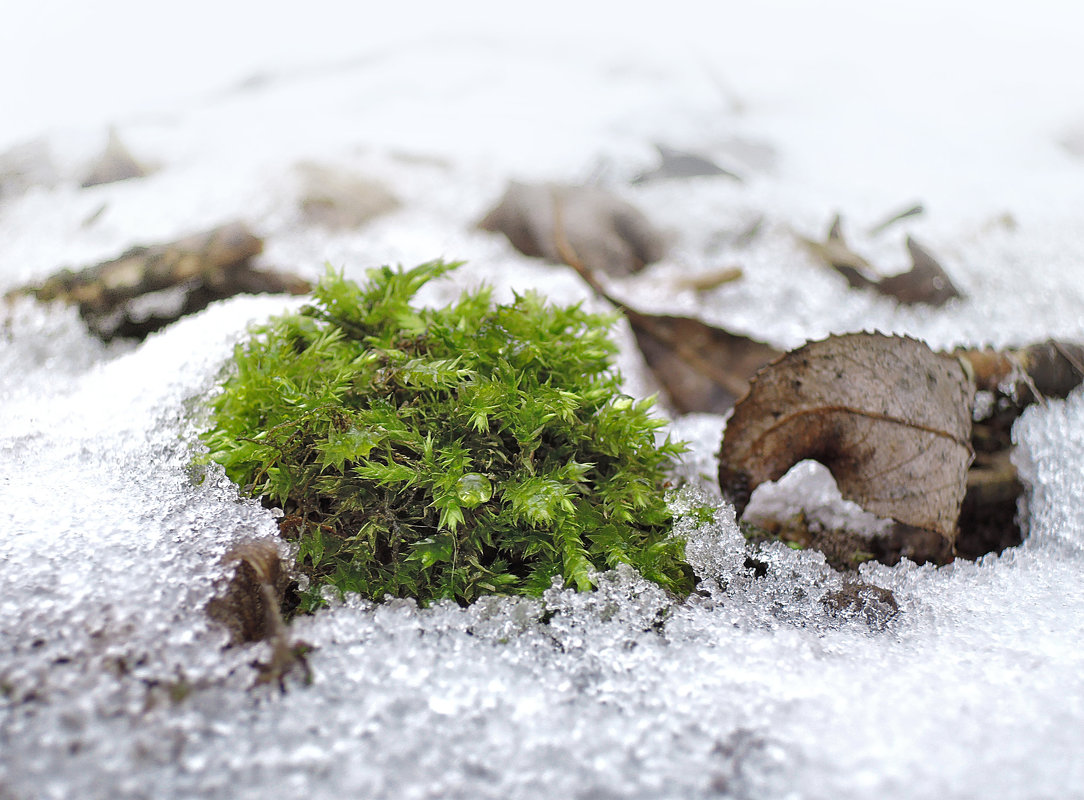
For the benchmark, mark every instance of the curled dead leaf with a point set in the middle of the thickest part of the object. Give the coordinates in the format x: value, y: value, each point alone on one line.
x: 890, y: 419
x: 606, y: 232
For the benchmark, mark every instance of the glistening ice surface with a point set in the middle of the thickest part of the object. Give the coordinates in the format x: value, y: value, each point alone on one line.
x: 113, y: 683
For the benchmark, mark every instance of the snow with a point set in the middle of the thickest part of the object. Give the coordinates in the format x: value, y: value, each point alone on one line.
x: 113, y: 682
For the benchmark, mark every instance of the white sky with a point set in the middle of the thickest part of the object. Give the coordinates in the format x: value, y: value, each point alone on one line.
x: 69, y: 62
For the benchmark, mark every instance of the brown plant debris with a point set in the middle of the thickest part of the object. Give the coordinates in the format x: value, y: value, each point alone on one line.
x: 707, y: 281
x: 987, y: 519
x: 339, y: 199
x: 890, y: 419
x: 605, y: 232
x: 251, y: 609
x: 700, y: 368
x: 926, y: 281
x: 1048, y: 369
x: 875, y: 604
x: 115, y: 163
x: 677, y: 164
x: 149, y: 287
x: 897, y: 216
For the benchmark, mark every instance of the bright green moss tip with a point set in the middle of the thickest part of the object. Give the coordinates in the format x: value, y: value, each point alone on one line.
x: 450, y: 452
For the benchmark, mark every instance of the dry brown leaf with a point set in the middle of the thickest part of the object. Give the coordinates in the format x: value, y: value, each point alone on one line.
x: 250, y: 606
x: 339, y: 199
x: 607, y: 233
x: 1047, y: 369
x: 116, y: 163
x: 251, y: 609
x: 926, y: 281
x: 700, y: 368
x: 890, y: 419
x: 681, y: 164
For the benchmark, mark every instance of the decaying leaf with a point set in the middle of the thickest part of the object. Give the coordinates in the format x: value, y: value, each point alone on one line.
x: 700, y: 368
x: 606, y: 232
x: 681, y: 164
x: 1047, y: 369
x: 835, y: 252
x: 115, y: 163
x: 926, y: 281
x: 336, y: 198
x: 890, y: 419
x: 148, y: 287
x: 250, y: 605
x: 251, y: 609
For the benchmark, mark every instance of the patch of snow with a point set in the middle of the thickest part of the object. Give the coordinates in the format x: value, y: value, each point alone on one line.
x: 114, y: 683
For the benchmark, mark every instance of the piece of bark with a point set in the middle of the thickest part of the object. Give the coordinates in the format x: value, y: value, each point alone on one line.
x: 890, y: 419
x: 115, y: 163
x: 117, y: 298
x: 678, y: 164
x: 607, y: 233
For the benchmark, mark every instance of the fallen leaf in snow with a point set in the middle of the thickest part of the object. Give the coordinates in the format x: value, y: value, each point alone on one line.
x: 607, y: 233
x: 250, y: 605
x: 926, y: 281
x: 700, y: 368
x: 251, y: 609
x: 680, y: 164
x: 115, y: 163
x: 890, y: 419
x: 337, y: 198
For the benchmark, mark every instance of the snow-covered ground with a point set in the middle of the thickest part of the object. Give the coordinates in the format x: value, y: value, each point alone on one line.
x: 113, y: 683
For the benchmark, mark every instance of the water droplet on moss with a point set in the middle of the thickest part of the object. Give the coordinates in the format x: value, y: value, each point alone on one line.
x: 474, y: 489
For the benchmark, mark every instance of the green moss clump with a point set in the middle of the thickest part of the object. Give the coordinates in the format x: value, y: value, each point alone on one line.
x: 449, y: 452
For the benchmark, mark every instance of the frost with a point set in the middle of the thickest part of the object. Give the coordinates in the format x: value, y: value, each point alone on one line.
x: 114, y: 683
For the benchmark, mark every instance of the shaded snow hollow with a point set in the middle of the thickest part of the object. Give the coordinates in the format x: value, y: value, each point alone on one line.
x: 114, y: 684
